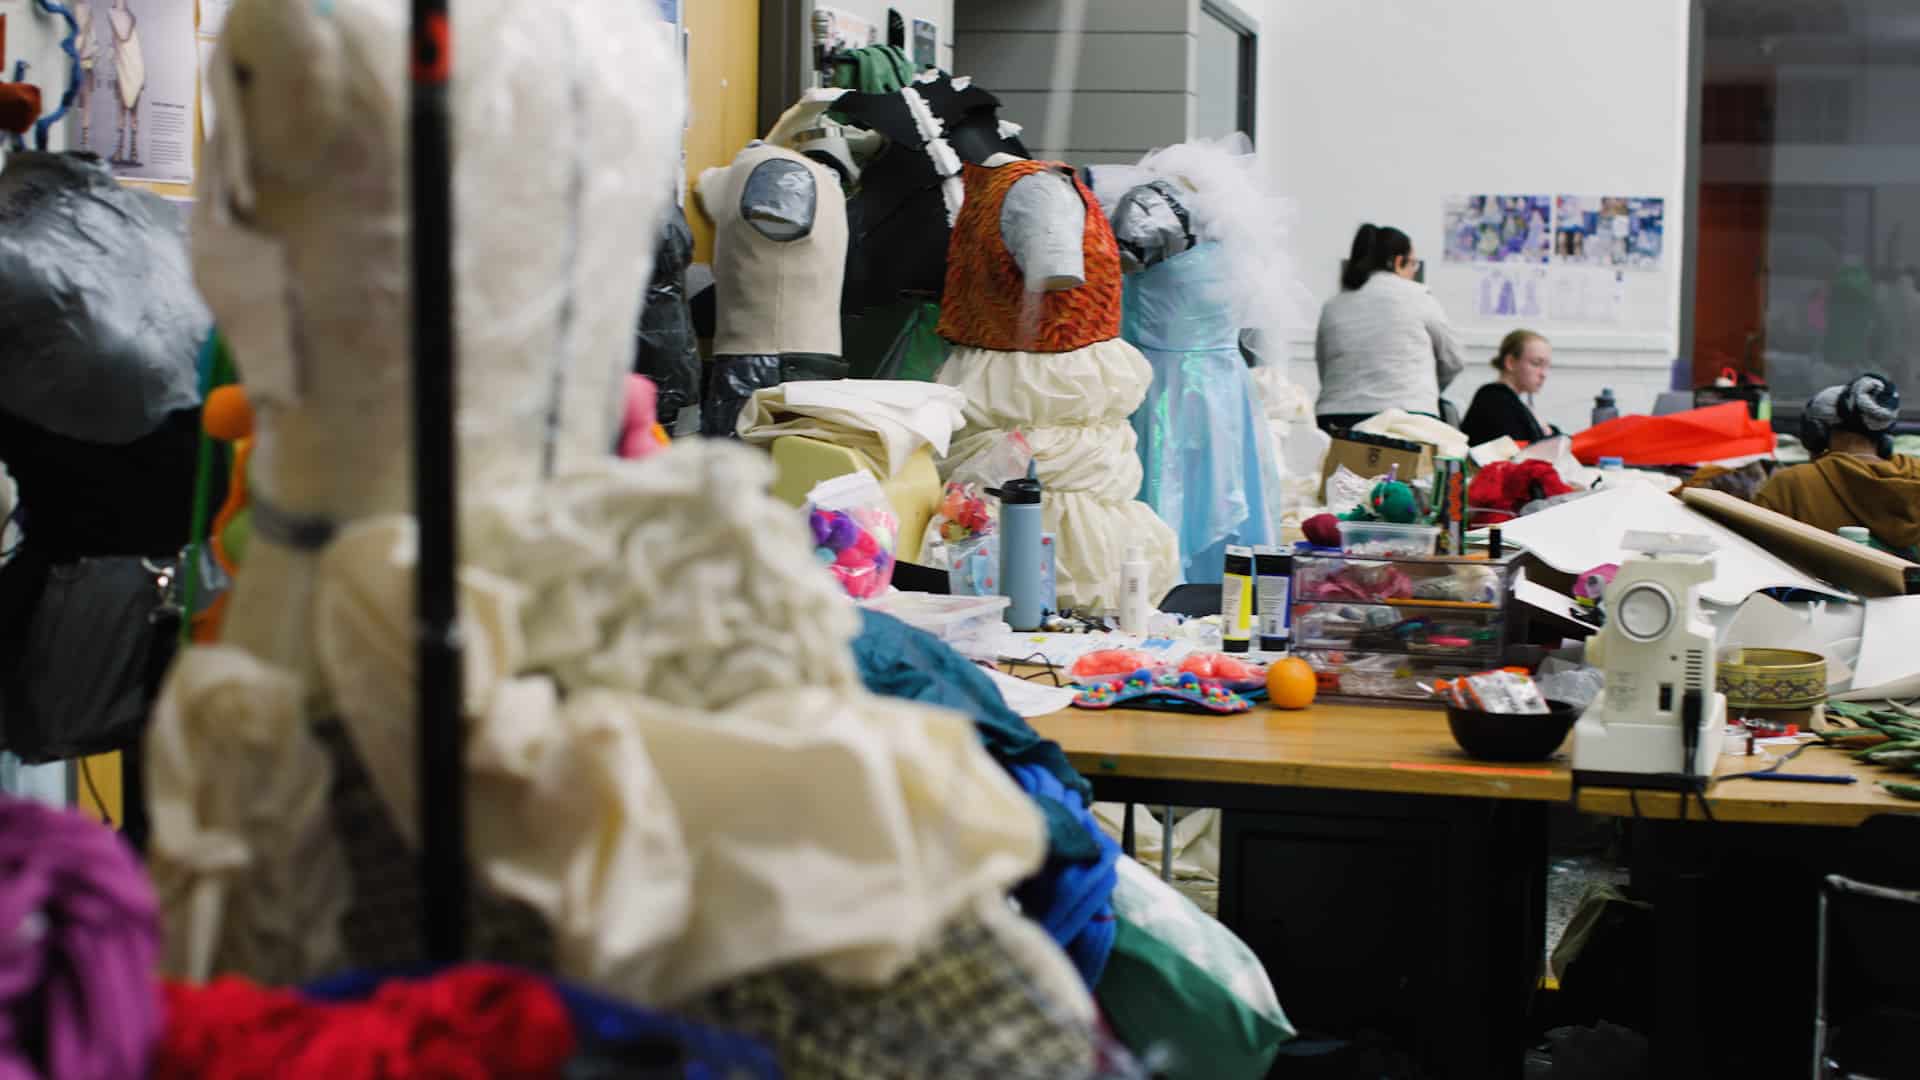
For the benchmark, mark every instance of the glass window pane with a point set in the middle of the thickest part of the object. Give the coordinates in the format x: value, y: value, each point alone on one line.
x: 1809, y: 210
x: 1219, y: 81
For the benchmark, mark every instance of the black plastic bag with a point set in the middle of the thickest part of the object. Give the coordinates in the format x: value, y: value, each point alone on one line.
x: 96, y: 637
x: 734, y: 379
x: 666, y: 350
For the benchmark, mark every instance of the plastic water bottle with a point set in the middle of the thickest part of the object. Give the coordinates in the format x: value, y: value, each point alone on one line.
x: 1020, y: 555
x: 1604, y: 407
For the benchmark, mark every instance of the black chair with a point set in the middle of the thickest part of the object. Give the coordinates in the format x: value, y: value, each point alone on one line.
x: 1867, y: 994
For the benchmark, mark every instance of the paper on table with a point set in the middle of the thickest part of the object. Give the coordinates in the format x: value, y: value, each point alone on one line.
x: 1889, y: 663
x: 1030, y: 698
x: 1577, y: 536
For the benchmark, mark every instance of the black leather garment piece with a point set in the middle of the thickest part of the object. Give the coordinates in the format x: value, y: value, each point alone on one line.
x: 666, y: 350
x: 733, y: 379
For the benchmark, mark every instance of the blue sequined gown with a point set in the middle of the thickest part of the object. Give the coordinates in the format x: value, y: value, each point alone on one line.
x: 1204, y: 445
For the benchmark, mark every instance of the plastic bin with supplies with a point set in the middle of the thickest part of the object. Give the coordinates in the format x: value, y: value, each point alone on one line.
x: 1379, y: 626
x: 952, y: 619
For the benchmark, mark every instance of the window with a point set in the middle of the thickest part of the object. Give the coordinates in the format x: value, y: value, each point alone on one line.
x: 1225, y: 74
x: 1807, y: 264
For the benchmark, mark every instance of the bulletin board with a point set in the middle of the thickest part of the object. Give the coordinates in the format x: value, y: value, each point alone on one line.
x: 1555, y: 262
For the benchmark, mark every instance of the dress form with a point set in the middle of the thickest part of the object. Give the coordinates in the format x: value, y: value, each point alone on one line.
x: 1049, y: 363
x: 780, y: 250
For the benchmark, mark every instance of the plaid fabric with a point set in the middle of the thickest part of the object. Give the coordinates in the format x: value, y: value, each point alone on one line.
x: 963, y: 1010
x: 382, y: 926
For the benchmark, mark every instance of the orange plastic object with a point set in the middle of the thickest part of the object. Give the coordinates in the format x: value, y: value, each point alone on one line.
x: 1695, y: 437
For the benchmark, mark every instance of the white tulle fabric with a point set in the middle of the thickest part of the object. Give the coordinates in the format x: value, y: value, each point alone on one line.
x: 671, y: 757
x: 1073, y: 408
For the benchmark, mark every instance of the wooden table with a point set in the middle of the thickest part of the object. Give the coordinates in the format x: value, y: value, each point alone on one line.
x: 1767, y: 802
x: 1349, y: 747
x: 1386, y: 880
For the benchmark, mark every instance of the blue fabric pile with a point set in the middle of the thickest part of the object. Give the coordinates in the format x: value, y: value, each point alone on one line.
x: 1072, y: 895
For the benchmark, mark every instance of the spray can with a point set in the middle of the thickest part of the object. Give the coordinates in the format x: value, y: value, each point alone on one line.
x: 1020, y: 554
x: 1450, y: 503
x: 1236, y: 601
x: 1273, y: 591
x: 1134, y: 606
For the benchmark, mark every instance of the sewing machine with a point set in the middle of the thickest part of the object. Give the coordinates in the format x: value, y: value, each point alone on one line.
x: 1658, y: 721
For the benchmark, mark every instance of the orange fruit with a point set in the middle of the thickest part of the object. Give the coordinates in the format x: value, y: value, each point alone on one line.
x: 1291, y: 683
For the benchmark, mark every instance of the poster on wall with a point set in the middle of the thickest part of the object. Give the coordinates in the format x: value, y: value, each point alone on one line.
x: 838, y: 31
x: 669, y: 11
x: 139, y: 69
x: 1497, y: 228
x: 926, y: 44
x: 1623, y: 232
x: 1512, y: 292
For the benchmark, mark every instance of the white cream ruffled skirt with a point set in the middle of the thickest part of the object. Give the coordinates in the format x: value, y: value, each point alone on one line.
x: 1074, y: 409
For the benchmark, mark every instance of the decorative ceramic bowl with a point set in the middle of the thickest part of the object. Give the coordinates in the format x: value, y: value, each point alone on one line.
x: 1772, y: 678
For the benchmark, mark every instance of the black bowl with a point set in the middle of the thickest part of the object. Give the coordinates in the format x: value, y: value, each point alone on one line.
x: 1512, y: 736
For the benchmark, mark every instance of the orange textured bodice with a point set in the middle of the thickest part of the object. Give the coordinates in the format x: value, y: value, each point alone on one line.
x: 986, y: 304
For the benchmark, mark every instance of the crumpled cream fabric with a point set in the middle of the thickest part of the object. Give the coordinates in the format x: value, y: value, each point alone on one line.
x: 1446, y: 440
x: 1300, y: 445
x: 1073, y: 408
x: 249, y: 874
x: 685, y: 777
x: 883, y: 421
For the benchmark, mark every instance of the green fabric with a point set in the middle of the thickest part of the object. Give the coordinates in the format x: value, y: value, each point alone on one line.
x: 1179, y: 985
x: 919, y: 350
x: 873, y: 69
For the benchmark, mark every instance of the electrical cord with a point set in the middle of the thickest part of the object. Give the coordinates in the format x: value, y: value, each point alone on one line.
x: 86, y: 777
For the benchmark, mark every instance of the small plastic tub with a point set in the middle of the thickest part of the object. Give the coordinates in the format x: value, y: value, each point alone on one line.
x: 1382, y: 538
x: 949, y: 618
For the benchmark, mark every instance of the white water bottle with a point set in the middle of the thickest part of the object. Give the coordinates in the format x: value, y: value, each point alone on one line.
x: 1134, y: 608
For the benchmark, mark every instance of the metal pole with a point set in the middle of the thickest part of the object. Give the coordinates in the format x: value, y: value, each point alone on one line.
x: 443, y: 856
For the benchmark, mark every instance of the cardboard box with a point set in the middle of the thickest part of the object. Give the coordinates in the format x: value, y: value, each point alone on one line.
x: 1376, y: 455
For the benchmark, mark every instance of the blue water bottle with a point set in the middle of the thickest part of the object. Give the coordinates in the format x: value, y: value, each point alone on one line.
x: 1020, y: 556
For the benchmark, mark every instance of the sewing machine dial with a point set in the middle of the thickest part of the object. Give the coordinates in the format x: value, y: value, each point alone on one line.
x: 1645, y: 612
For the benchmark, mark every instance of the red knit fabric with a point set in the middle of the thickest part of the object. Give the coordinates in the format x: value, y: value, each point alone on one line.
x: 986, y: 303
x: 1510, y: 485
x: 472, y: 1023
x: 19, y: 107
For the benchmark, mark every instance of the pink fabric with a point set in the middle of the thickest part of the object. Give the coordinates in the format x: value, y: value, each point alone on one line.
x: 637, y: 435
x: 79, y: 941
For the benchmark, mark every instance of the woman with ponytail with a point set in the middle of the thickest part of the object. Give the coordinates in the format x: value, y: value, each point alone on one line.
x: 1383, y: 343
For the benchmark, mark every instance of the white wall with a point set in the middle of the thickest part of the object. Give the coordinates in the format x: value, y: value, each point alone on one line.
x: 1376, y: 110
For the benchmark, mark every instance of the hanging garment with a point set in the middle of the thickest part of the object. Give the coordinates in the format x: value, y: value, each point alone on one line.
x: 780, y: 249
x: 1206, y: 455
x: 1071, y: 397
x: 666, y: 350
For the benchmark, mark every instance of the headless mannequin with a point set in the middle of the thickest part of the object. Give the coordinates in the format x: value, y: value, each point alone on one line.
x: 780, y: 248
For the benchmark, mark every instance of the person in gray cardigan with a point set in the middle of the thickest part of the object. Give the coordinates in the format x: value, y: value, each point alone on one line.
x: 1383, y: 343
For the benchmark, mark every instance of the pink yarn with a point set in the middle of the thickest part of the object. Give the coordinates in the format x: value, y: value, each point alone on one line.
x: 79, y: 942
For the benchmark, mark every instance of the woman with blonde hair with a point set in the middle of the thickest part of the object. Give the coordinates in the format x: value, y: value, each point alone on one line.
x: 1499, y: 408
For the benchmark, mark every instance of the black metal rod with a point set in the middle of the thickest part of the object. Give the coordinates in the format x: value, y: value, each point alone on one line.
x: 443, y: 853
